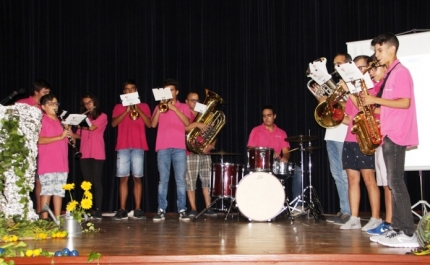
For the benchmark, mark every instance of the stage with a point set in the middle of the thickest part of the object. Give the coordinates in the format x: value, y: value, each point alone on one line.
x: 214, y: 240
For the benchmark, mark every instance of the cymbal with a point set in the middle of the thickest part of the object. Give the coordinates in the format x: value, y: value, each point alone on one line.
x: 301, y: 138
x: 223, y: 153
x: 312, y: 148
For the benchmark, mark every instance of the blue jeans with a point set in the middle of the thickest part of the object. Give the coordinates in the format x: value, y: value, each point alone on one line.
x: 394, y: 157
x: 179, y: 160
x: 334, y: 151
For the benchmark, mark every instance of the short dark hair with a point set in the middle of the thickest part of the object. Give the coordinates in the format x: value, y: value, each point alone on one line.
x: 38, y: 84
x: 171, y: 82
x: 46, y: 98
x: 360, y: 57
x: 348, y: 57
x: 128, y: 82
x: 388, y: 38
x: 270, y: 107
x: 192, y: 92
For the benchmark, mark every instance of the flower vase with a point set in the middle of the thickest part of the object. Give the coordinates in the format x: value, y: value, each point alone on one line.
x: 72, y: 226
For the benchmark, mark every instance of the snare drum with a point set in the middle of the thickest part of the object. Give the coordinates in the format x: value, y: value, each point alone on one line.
x: 260, y: 159
x: 231, y: 174
x: 260, y: 196
x: 283, y: 168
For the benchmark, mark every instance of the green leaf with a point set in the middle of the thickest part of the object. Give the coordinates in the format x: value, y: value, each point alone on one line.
x: 94, y: 255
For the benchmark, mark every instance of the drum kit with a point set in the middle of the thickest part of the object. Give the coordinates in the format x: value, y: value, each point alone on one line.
x: 260, y: 195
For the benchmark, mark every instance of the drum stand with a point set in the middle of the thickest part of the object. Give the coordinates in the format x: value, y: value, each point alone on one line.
x: 299, y: 199
x: 222, y: 197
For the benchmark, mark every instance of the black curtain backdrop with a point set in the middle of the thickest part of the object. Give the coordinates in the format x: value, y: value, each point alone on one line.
x: 250, y: 52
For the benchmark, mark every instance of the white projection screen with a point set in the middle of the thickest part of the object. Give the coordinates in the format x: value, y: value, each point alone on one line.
x: 414, y: 53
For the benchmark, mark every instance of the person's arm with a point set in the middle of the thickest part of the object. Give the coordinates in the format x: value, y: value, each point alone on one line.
x: 51, y: 139
x: 155, y: 118
x: 285, y: 154
x: 117, y: 120
x: 184, y: 119
x: 399, y: 103
x: 145, y: 118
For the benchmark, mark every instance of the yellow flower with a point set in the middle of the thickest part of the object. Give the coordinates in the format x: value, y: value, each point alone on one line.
x: 86, y: 204
x: 69, y: 186
x: 86, y: 185
x: 71, y: 205
x: 88, y: 195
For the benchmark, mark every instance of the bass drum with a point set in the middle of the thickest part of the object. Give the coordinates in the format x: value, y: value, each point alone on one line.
x: 260, y: 196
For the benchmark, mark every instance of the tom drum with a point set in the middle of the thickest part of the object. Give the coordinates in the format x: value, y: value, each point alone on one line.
x: 260, y: 159
x: 283, y: 168
x: 225, y: 179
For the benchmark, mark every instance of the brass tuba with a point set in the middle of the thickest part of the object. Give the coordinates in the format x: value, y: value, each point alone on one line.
x: 197, y: 140
x: 328, y: 113
x: 365, y: 126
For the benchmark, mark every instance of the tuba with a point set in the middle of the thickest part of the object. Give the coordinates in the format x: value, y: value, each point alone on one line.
x: 365, y: 126
x: 328, y: 113
x: 197, y: 140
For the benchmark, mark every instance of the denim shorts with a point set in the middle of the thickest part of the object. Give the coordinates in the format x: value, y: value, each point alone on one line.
x: 52, y: 183
x: 353, y: 158
x: 131, y: 159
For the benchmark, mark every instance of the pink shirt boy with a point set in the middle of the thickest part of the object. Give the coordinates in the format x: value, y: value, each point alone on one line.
x: 399, y: 85
x: 260, y: 136
x: 92, y: 142
x: 52, y: 157
x: 131, y: 134
x: 171, y: 130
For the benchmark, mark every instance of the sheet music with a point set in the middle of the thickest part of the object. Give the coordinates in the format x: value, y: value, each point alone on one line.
x: 162, y: 93
x: 200, y: 107
x: 130, y: 99
x: 74, y: 119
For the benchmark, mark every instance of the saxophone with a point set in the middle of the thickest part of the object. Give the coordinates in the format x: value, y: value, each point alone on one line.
x: 197, y: 140
x: 365, y: 126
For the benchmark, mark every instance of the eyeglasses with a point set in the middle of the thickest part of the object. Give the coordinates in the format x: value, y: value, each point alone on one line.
x: 376, y: 67
x: 361, y: 67
x: 52, y: 104
x: 88, y: 102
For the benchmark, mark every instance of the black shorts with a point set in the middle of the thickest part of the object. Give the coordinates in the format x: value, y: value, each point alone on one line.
x: 353, y: 158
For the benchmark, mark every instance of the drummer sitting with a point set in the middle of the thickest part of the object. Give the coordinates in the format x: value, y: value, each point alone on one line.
x: 271, y: 136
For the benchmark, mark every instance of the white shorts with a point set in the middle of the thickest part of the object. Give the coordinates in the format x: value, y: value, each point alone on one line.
x: 52, y: 183
x: 381, y: 169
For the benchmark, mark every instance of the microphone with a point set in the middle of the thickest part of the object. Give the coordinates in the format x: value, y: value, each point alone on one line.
x: 14, y: 93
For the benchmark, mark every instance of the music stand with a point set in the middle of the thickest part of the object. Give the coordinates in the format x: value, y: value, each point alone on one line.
x: 424, y: 204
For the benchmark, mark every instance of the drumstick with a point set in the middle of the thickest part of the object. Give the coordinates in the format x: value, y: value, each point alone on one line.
x: 289, y: 151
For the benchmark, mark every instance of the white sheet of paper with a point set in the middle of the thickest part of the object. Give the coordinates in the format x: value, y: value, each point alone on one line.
x: 368, y: 80
x: 88, y: 122
x: 162, y: 93
x: 74, y: 119
x: 354, y: 87
x: 349, y: 72
x: 200, y: 107
x: 319, y: 72
x: 63, y: 113
x: 130, y: 99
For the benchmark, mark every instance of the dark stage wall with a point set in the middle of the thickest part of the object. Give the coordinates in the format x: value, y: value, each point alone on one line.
x: 250, y: 52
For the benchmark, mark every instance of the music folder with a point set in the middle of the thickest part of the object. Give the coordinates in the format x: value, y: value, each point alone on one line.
x: 74, y: 119
x: 130, y: 99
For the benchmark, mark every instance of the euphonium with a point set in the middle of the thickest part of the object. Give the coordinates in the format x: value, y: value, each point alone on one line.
x: 198, y: 140
x: 134, y: 115
x: 163, y: 107
x: 365, y: 126
x: 328, y: 113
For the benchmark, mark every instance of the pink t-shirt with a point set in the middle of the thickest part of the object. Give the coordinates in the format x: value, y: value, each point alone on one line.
x: 52, y: 157
x: 260, y: 136
x: 171, y: 130
x: 30, y: 101
x: 92, y: 142
x: 400, y: 124
x: 131, y: 134
x: 352, y: 110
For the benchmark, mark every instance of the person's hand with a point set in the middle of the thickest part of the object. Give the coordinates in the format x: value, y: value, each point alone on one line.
x: 368, y: 99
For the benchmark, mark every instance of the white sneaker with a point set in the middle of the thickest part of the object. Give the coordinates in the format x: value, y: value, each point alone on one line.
x: 353, y: 223
x: 379, y: 237
x: 373, y: 223
x: 399, y: 240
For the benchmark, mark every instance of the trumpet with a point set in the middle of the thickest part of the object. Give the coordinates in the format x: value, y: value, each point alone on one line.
x: 163, y: 107
x: 134, y: 115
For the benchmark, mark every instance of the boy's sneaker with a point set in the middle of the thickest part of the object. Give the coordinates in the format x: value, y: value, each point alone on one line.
x: 343, y: 219
x: 379, y: 237
x: 97, y: 214
x: 159, y: 216
x: 192, y: 213
x: 373, y: 222
x: 399, y: 240
x: 353, y: 223
x: 138, y: 214
x: 380, y: 229
x: 211, y: 213
x: 331, y: 219
x: 184, y: 216
x: 120, y: 215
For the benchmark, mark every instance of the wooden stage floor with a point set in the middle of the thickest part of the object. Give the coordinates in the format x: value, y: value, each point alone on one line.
x: 214, y: 240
